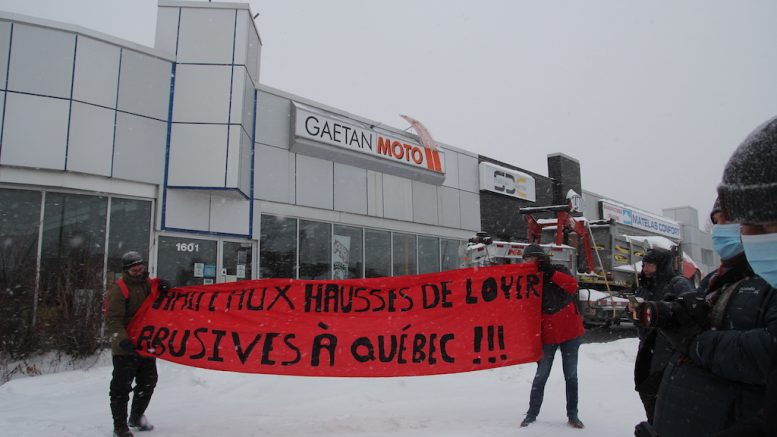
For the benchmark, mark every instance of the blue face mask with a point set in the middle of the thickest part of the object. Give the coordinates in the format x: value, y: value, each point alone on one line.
x: 761, y: 251
x: 726, y: 240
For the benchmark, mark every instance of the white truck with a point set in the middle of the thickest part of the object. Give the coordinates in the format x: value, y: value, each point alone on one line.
x: 606, y: 260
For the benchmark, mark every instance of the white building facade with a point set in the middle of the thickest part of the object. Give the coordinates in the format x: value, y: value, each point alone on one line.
x: 226, y: 179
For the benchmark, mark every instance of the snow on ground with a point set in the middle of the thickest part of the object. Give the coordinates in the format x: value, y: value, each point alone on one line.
x: 191, y: 401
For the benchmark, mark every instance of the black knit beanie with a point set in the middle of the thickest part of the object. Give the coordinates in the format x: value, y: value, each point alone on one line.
x: 534, y: 250
x: 748, y: 191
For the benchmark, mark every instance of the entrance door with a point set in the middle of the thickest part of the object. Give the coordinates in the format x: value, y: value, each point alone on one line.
x: 237, y: 259
x: 187, y: 261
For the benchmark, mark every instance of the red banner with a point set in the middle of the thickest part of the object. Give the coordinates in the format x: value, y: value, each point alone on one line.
x: 454, y: 321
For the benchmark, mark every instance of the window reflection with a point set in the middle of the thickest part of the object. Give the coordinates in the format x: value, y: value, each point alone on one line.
x: 19, y: 220
x: 377, y: 253
x: 451, y: 251
x: 71, y: 271
x: 130, y: 229
x: 428, y: 254
x: 278, y: 247
x: 404, y: 255
x: 315, y: 253
x: 347, y: 252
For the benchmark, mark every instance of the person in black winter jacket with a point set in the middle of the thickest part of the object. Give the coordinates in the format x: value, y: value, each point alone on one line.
x: 748, y: 195
x: 718, y: 377
x: 658, y: 281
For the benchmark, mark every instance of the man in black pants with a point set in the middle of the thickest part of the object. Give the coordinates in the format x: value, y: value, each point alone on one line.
x: 123, y: 300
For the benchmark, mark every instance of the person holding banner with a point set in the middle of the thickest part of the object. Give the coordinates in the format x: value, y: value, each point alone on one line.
x: 562, y: 328
x: 122, y: 301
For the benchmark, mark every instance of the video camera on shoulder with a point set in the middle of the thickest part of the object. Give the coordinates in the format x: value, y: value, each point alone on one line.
x: 675, y: 311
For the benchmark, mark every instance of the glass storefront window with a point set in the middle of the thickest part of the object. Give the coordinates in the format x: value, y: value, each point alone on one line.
x: 73, y: 247
x: 404, y: 255
x: 19, y: 222
x: 428, y: 254
x: 377, y: 253
x: 130, y: 229
x: 315, y: 253
x: 347, y: 252
x: 72, y: 269
x: 187, y: 261
x: 237, y: 260
x: 278, y: 247
x: 451, y: 254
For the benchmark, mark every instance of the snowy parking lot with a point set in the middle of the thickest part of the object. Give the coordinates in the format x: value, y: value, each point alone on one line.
x: 191, y: 401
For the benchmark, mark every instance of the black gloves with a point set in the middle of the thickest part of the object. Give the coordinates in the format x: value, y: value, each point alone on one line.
x: 547, y: 270
x: 164, y: 286
x: 644, y: 429
x: 127, y: 346
x: 690, y: 313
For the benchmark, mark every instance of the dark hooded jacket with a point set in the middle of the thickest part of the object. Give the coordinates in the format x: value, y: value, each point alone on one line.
x: 654, y: 350
x: 723, y: 378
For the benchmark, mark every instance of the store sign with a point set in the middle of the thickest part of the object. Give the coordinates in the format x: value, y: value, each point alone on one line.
x: 314, y: 128
x: 505, y: 181
x: 447, y: 322
x: 640, y: 220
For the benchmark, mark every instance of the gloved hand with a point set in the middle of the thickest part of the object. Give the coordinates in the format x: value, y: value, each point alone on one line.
x: 644, y: 429
x: 164, y: 286
x: 688, y: 313
x: 127, y: 346
x: 547, y: 270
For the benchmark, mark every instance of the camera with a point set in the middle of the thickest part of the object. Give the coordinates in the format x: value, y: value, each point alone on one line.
x: 675, y: 312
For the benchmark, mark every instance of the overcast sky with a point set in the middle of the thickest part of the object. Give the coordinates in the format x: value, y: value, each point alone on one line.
x: 650, y: 96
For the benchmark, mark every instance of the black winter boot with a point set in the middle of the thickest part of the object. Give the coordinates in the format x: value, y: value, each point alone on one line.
x: 575, y: 422
x: 140, y: 423
x: 119, y: 413
x: 121, y: 431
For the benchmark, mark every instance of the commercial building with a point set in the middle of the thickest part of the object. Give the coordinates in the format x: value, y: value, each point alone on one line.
x: 180, y: 153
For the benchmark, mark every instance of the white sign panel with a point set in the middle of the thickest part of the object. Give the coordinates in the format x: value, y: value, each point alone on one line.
x: 640, y: 220
x: 506, y: 181
x: 318, y: 128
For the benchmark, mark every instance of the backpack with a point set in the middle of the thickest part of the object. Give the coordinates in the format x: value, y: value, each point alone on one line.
x: 124, y: 291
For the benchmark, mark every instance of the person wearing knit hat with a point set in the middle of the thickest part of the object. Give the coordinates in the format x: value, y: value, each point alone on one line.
x: 748, y: 196
x: 723, y: 368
